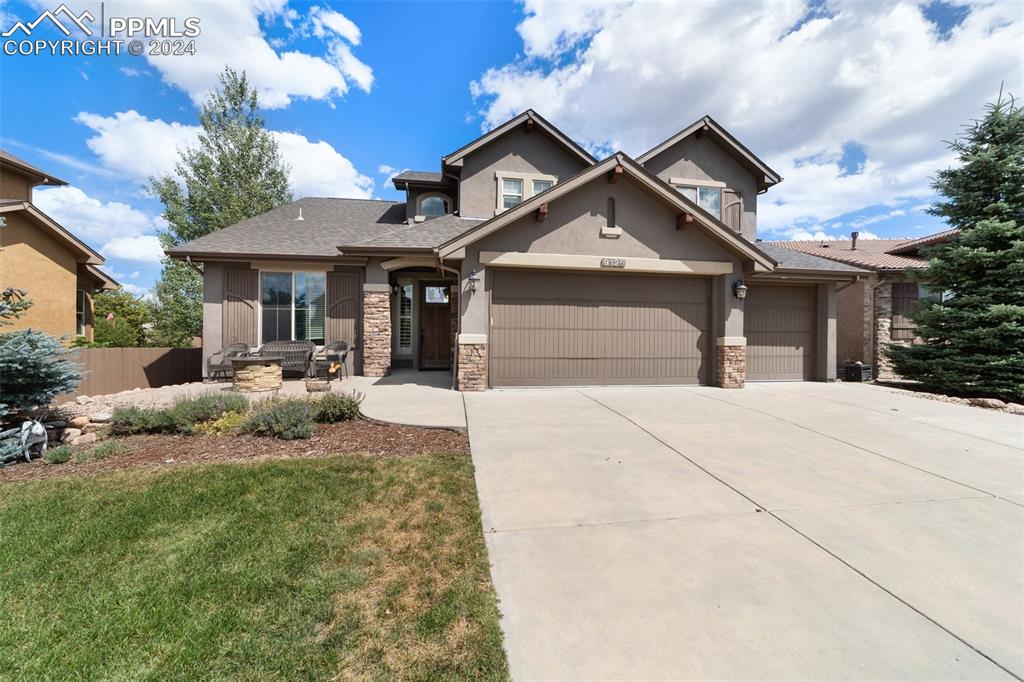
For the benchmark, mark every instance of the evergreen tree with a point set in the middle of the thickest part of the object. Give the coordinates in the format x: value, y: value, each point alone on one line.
x: 973, y: 340
x: 236, y: 172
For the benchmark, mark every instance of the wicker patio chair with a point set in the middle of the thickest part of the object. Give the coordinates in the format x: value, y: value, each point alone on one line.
x: 218, y: 365
x: 296, y: 354
x: 335, y: 351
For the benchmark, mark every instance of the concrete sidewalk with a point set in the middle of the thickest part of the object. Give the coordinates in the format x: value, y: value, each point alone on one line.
x: 783, y: 531
x: 410, y: 397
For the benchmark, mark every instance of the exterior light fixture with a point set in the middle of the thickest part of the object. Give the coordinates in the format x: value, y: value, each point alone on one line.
x: 473, y: 279
x: 739, y: 289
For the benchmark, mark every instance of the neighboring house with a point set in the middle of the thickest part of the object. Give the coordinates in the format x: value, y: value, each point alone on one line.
x: 875, y: 310
x: 59, y: 272
x: 525, y: 261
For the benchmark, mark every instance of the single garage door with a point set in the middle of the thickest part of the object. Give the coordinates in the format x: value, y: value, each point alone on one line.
x: 554, y: 328
x: 779, y: 323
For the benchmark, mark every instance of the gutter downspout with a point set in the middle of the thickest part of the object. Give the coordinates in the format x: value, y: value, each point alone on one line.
x: 442, y: 268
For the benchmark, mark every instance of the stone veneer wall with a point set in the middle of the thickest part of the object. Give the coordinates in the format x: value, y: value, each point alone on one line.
x: 472, y: 367
x: 883, y: 326
x: 732, y: 366
x: 377, y: 332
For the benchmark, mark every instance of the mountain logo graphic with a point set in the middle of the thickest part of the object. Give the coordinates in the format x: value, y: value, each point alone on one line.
x: 68, y: 15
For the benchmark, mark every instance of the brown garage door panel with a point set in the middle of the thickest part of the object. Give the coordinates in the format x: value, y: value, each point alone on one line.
x: 779, y: 323
x: 565, y: 329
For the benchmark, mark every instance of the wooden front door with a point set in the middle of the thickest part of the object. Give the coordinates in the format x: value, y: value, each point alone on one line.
x: 435, y: 326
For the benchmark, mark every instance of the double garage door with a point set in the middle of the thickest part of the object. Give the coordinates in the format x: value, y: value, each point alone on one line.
x: 554, y: 328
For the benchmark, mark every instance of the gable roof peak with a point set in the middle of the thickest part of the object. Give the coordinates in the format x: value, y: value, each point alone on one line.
x: 527, y: 116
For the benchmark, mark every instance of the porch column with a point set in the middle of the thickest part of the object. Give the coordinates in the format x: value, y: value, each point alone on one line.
x: 376, y: 329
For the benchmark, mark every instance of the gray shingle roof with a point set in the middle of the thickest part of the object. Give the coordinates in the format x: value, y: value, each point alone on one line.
x: 325, y: 224
x: 427, y: 234
x: 789, y: 259
x: 24, y: 166
x: 418, y: 176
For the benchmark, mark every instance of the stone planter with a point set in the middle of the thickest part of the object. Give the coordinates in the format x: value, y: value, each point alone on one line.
x: 255, y: 373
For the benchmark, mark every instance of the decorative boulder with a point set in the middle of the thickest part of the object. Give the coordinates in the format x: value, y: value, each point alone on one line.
x: 70, y: 434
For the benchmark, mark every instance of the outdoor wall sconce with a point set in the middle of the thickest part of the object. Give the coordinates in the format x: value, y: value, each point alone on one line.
x: 473, y: 279
x: 739, y: 289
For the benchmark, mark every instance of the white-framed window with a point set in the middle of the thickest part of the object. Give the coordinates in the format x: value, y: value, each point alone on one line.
x: 293, y: 306
x: 541, y: 185
x: 81, y: 306
x: 433, y: 205
x: 511, y: 192
x: 405, y: 297
x: 704, y: 193
x: 515, y: 188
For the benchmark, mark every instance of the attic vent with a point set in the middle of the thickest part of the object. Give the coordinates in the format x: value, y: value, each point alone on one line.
x: 300, y: 214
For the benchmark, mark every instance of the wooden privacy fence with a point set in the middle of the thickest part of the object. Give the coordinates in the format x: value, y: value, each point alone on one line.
x: 110, y: 370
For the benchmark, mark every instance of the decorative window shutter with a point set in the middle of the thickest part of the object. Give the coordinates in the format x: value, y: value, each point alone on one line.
x: 343, y: 307
x: 241, y: 314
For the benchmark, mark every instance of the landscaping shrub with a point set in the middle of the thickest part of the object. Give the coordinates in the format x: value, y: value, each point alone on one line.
x: 333, y: 407
x: 229, y: 422
x: 58, y: 455
x: 129, y: 420
x: 101, y: 451
x: 284, y: 419
x: 187, y: 412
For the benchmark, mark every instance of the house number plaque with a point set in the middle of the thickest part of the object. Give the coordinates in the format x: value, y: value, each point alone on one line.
x: 613, y: 262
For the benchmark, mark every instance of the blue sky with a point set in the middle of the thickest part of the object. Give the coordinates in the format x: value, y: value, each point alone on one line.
x: 849, y: 101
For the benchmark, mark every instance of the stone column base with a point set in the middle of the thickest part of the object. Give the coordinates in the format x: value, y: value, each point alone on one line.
x: 472, y: 365
x: 732, y: 362
x: 376, y: 330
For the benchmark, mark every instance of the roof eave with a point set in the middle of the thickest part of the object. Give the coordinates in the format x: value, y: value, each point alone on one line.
x: 455, y: 158
x: 84, y: 250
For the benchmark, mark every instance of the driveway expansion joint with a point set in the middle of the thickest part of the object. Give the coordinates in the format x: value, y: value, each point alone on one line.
x: 814, y: 542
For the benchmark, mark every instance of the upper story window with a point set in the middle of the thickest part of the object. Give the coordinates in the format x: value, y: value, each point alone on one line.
x: 433, y: 205
x: 511, y: 192
x: 706, y: 194
x: 515, y: 188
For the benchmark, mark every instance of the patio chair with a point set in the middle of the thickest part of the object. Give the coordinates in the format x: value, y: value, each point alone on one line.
x: 296, y: 354
x: 335, y: 351
x: 218, y: 365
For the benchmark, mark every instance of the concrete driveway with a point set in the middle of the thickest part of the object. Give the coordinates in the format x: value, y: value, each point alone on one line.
x: 785, y: 531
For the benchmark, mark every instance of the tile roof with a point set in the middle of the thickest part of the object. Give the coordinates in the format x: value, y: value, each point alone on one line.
x: 872, y: 254
x: 418, y: 176
x: 789, y: 259
x: 427, y: 234
x: 911, y: 247
x: 325, y: 224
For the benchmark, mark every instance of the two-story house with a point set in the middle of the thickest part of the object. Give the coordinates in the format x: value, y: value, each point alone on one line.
x: 59, y: 272
x: 525, y: 261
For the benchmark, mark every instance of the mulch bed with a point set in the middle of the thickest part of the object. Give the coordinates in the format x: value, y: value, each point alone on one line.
x: 358, y: 437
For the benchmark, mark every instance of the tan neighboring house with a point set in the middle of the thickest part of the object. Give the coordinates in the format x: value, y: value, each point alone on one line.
x: 525, y: 261
x: 37, y: 255
x: 875, y: 310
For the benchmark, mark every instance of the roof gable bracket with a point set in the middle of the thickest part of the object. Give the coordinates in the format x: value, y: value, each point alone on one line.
x: 541, y: 213
x: 683, y: 220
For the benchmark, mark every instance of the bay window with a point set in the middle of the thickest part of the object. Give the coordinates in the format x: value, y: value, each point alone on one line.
x: 293, y: 306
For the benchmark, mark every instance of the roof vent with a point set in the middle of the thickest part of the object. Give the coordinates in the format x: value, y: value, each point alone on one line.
x: 853, y: 240
x: 300, y: 214
x: 419, y: 219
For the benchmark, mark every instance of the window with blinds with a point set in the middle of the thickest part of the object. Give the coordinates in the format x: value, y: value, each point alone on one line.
x: 293, y: 306
x: 405, y: 319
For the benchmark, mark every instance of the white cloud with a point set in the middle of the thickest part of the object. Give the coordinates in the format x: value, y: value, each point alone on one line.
x: 144, y: 293
x: 134, y: 274
x: 139, y: 147
x: 133, y: 73
x: 794, y: 83
x: 231, y: 34
x: 327, y: 21
x: 143, y: 248
x: 92, y: 220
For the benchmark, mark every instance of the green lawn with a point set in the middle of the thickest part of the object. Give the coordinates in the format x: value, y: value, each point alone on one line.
x: 341, y: 568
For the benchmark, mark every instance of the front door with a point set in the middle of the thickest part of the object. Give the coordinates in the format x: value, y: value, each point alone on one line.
x: 435, y: 326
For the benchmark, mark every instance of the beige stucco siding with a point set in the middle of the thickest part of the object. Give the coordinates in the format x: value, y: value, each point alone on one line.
x: 517, y: 152
x: 703, y: 159
x: 14, y: 186
x: 32, y: 260
x: 574, y: 226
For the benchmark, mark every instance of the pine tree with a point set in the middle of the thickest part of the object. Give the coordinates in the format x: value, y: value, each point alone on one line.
x: 236, y: 172
x: 973, y: 340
